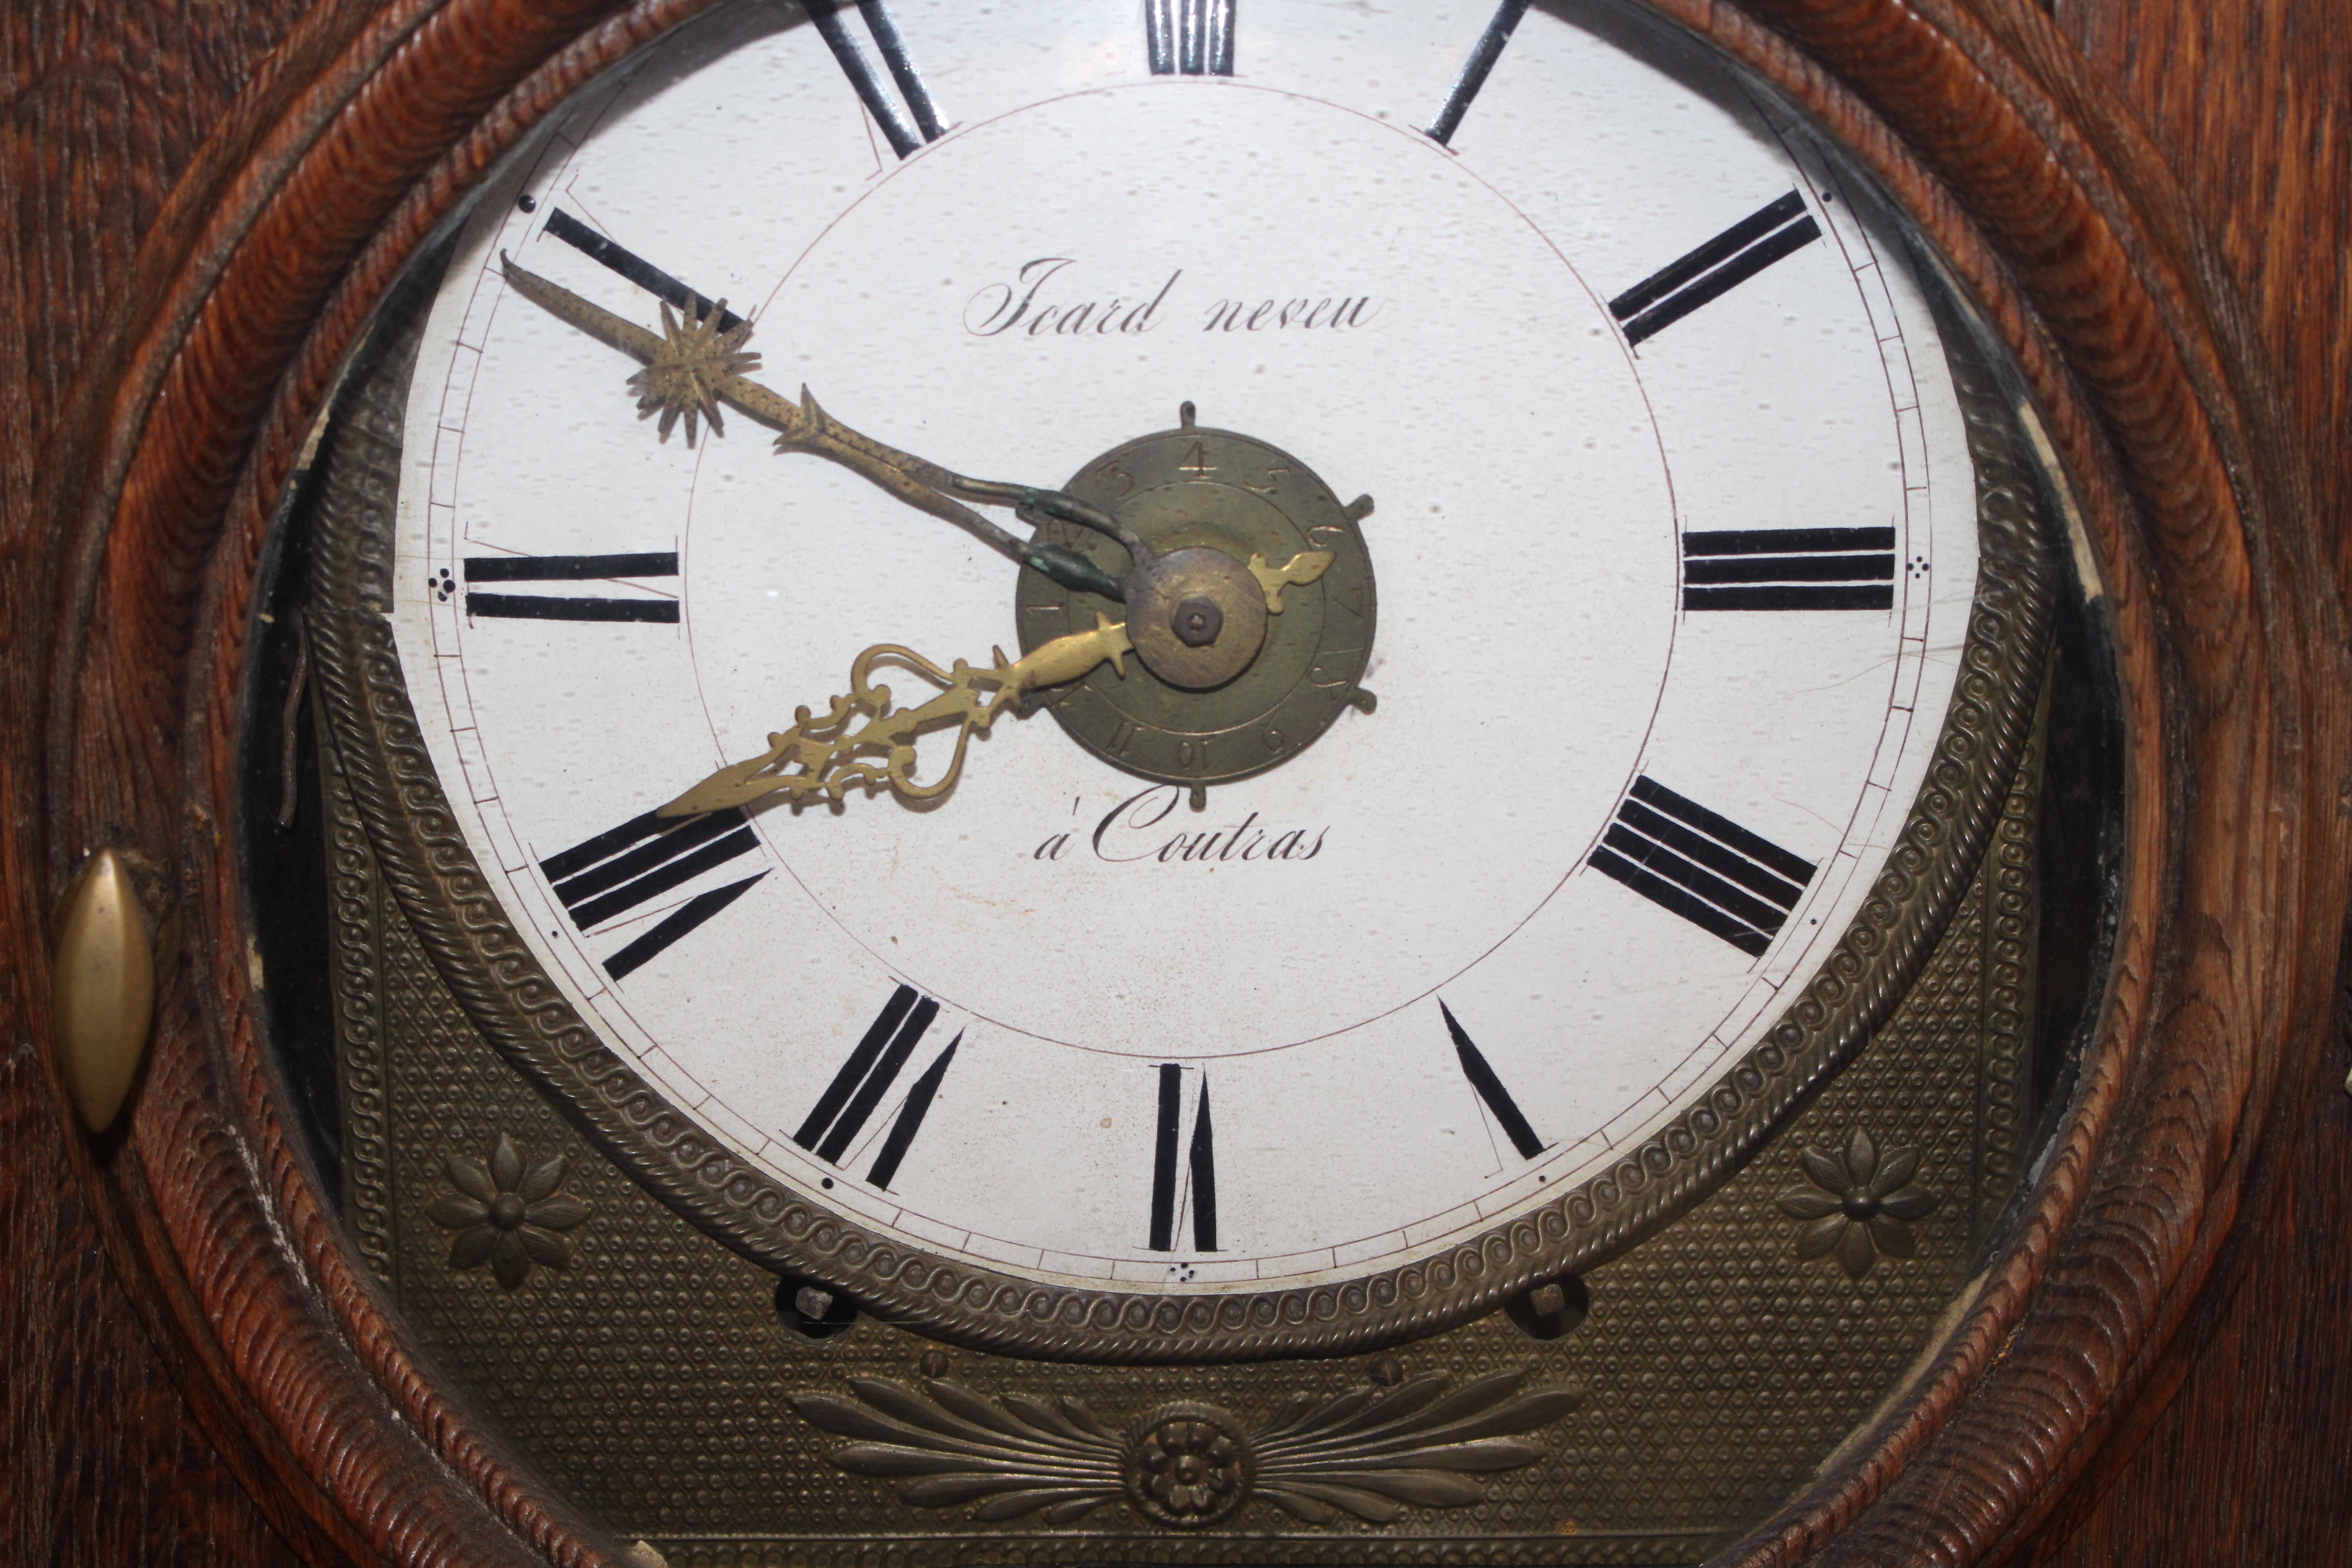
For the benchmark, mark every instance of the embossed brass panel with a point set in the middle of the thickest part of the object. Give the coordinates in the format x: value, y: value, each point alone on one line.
x: 652, y: 1379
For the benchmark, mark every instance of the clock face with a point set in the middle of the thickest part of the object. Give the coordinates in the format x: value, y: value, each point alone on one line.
x: 1262, y: 947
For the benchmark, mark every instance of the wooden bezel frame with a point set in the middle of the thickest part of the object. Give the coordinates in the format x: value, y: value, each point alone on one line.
x: 369, y: 121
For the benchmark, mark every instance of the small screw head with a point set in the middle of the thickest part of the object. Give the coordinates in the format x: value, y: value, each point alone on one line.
x: 933, y: 1363
x: 1197, y: 621
x: 1387, y: 1372
x: 813, y: 1312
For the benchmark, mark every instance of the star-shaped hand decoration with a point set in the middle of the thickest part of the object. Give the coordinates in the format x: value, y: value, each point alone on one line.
x: 682, y: 378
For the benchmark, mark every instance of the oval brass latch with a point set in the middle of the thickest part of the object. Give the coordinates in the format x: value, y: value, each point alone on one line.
x: 104, y: 989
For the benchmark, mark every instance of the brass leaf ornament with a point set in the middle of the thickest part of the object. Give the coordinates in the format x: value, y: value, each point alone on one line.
x: 950, y: 1445
x: 1370, y: 1451
x: 103, y: 989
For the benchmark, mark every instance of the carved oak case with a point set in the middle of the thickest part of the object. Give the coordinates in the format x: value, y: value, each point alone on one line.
x: 454, y: 1274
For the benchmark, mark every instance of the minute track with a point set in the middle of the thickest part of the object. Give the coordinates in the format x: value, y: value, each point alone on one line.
x: 826, y: 620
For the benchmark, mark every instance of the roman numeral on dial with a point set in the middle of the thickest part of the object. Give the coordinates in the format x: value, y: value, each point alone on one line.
x: 1790, y: 569
x: 1475, y: 69
x: 1195, y: 1189
x: 1706, y: 868
x: 562, y: 226
x: 906, y: 129
x: 848, y: 1102
x: 618, y: 573
x: 1191, y: 38
x: 1714, y: 269
x: 1499, y: 1103
x: 910, y: 1117
x: 642, y: 858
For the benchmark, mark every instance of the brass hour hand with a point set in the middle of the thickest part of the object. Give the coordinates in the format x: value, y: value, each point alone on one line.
x: 693, y: 365
x: 865, y: 740
x: 829, y: 755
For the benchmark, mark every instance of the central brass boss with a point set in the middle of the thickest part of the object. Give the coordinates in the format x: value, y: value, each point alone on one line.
x: 1220, y: 690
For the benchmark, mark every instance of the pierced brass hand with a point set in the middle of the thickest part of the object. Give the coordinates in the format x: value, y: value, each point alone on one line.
x: 827, y: 757
x: 693, y: 366
x: 824, y: 756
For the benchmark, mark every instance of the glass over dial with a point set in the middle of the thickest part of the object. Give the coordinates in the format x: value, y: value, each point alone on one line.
x: 1166, y: 649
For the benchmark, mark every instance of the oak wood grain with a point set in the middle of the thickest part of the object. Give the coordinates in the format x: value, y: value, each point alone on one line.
x: 359, y: 96
x: 206, y: 203
x: 2236, y: 1450
x: 243, y: 1261
x: 2149, y: 1234
x: 102, y: 1461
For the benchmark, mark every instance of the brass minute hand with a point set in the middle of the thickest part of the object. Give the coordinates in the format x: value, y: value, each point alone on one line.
x: 693, y: 365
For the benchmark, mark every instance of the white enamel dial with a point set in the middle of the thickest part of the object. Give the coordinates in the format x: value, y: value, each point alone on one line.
x: 1674, y: 545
